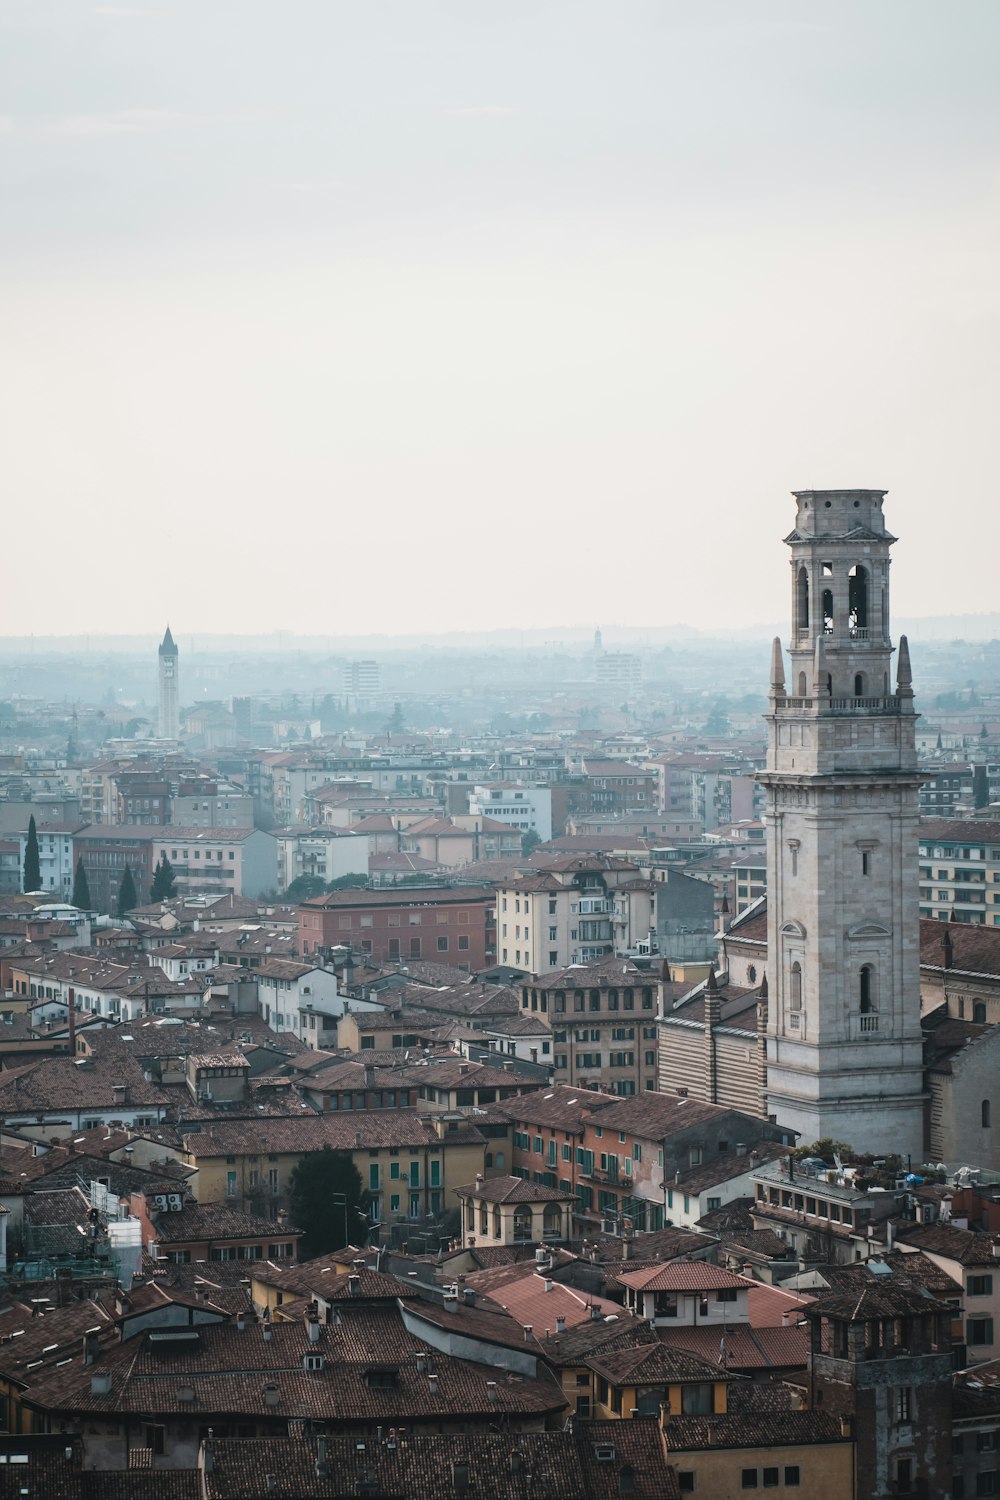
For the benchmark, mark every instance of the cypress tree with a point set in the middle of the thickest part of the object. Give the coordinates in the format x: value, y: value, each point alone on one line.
x: 127, y: 898
x: 81, y: 888
x: 32, y: 864
x: 164, y: 882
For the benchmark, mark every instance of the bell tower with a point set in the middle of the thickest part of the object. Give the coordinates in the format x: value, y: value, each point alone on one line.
x: 169, y: 688
x: 844, y: 1042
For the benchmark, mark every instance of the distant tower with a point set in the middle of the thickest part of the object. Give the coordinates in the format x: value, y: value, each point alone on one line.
x: 169, y: 718
x: 844, y: 1041
x: 598, y: 642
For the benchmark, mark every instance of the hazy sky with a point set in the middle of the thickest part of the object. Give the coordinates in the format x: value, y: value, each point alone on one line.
x: 423, y: 314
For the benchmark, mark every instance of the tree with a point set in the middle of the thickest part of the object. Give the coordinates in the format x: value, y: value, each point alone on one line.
x: 81, y: 888
x: 164, y: 881
x: 127, y: 897
x: 304, y: 886
x: 32, y: 864
x: 326, y: 1201
x: 355, y: 882
x: 530, y: 841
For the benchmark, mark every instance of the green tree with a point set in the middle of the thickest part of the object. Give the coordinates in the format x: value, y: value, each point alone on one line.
x: 164, y: 881
x: 304, y: 886
x: 127, y: 897
x: 81, y: 888
x: 32, y: 864
x: 348, y: 883
x: 530, y: 841
x: 326, y: 1201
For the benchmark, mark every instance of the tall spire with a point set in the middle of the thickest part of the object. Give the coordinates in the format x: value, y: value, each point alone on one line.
x: 167, y: 647
x: 777, y: 669
x: 904, y: 676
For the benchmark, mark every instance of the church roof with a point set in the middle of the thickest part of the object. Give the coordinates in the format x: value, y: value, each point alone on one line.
x: 167, y: 647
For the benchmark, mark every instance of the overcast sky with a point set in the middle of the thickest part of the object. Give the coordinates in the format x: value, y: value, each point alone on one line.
x: 416, y: 315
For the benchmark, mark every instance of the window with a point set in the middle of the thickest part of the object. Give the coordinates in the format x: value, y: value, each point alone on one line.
x: 866, y: 989
x: 904, y: 1404
x: 442, y: 945
x: 986, y: 1442
x: 984, y: 1112
x: 980, y: 1286
x: 772, y: 1478
x: 795, y: 986
x: 866, y: 854
x: 685, y: 1481
x: 986, y: 1484
x: 979, y: 1331
x: 979, y: 1012
x: 792, y: 1474
x: 748, y: 1479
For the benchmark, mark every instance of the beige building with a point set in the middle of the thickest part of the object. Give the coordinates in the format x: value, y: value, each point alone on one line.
x: 960, y: 870
x: 572, y: 910
x: 510, y: 1211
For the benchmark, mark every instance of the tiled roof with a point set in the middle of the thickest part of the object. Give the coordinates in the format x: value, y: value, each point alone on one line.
x: 358, y: 1130
x: 558, y: 1107
x: 967, y: 1246
x: 217, y: 1221
x: 773, y: 1430
x: 512, y: 1190
x: 975, y: 949
x: 741, y: 1347
x: 681, y: 1276
x: 650, y: 1364
x: 226, y: 1371
x: 958, y: 831
x: 586, y: 1464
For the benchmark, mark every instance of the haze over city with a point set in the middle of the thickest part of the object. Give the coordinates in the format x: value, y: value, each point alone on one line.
x: 410, y: 318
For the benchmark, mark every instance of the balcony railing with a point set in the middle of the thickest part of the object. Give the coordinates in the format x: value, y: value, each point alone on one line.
x: 824, y: 705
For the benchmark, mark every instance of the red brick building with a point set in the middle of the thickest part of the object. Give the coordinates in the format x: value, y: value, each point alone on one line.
x: 453, y: 925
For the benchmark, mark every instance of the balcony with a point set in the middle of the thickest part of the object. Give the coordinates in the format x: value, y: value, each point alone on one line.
x: 824, y: 705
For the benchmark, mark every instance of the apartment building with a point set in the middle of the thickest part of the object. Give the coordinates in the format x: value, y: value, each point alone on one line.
x: 55, y: 855
x: 960, y: 870
x: 573, y: 909
x: 455, y: 925
x: 603, y: 1020
x: 526, y: 808
x: 229, y: 861
x: 323, y: 853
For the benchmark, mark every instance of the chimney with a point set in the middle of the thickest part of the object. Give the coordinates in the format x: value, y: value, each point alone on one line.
x: 560, y: 1325
x: 491, y: 1391
x: 432, y: 1384
x: 846, y: 1426
x: 312, y: 1323
x: 946, y: 945
x: 527, y: 1332
x: 549, y: 1285
x: 322, y: 1467
x: 272, y: 1483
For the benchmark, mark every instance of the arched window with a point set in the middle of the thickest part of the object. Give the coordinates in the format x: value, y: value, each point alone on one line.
x: 857, y: 598
x: 979, y: 1012
x: 802, y: 599
x: 867, y: 989
x: 859, y: 684
x: 803, y: 689
x: 985, y: 1113
x: 795, y: 986
x: 828, y: 611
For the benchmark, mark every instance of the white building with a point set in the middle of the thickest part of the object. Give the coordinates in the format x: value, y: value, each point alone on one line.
x: 55, y: 855
x: 844, y: 1042
x: 523, y: 807
x: 300, y: 998
x: 327, y: 853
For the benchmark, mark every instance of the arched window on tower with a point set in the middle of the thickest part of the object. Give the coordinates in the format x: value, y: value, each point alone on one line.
x: 857, y: 599
x: 828, y: 611
x: 803, y: 686
x: 866, y: 990
x: 859, y: 684
x: 802, y: 599
x: 984, y: 1110
x: 795, y: 986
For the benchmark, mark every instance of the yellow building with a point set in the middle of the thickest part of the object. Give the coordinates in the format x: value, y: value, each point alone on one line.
x: 792, y: 1453
x: 409, y: 1164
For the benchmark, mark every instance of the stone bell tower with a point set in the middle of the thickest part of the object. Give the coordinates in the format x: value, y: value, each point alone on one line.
x: 169, y: 685
x: 844, y: 1042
